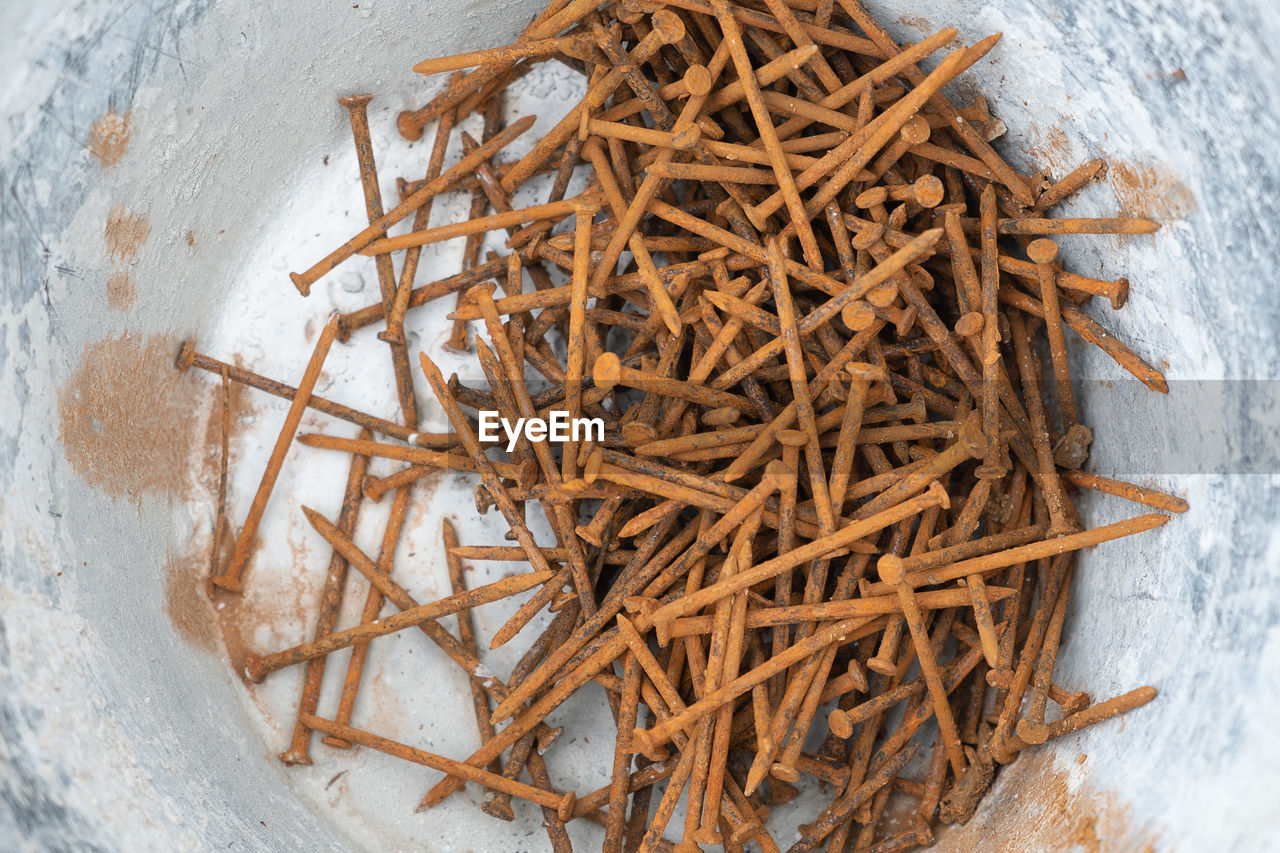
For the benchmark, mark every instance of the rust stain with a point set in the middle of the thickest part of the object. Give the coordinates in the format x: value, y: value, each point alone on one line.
x: 121, y: 291
x: 428, y: 486
x: 109, y: 138
x: 275, y: 601
x: 1145, y: 189
x: 381, y: 702
x: 186, y: 599
x: 916, y: 22
x: 126, y: 231
x: 187, y: 591
x: 303, y: 578
x: 1051, y: 147
x: 242, y: 409
x: 237, y: 617
x: 1043, y: 810
x: 126, y: 417
x: 210, y: 619
x: 205, y: 618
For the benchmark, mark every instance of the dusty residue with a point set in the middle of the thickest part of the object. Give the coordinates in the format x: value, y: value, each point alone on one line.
x: 1052, y: 148
x: 1044, y: 810
x: 305, y: 582
x: 121, y: 291
x: 109, y: 138
x: 241, y: 409
x: 237, y: 618
x: 209, y: 618
x: 124, y: 234
x: 1143, y: 189
x: 279, y: 600
x: 186, y: 599
x: 272, y: 613
x: 126, y: 416
x: 916, y: 22
x: 427, y: 486
x: 381, y: 703
x: 187, y: 588
x: 126, y: 231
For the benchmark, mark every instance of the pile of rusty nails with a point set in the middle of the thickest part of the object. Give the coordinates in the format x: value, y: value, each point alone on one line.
x: 830, y: 304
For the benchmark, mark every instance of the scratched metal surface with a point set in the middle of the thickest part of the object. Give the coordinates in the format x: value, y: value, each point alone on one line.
x: 116, y: 735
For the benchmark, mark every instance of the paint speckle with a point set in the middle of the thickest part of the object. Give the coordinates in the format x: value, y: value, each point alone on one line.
x: 121, y: 291
x: 126, y: 415
x: 109, y: 138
